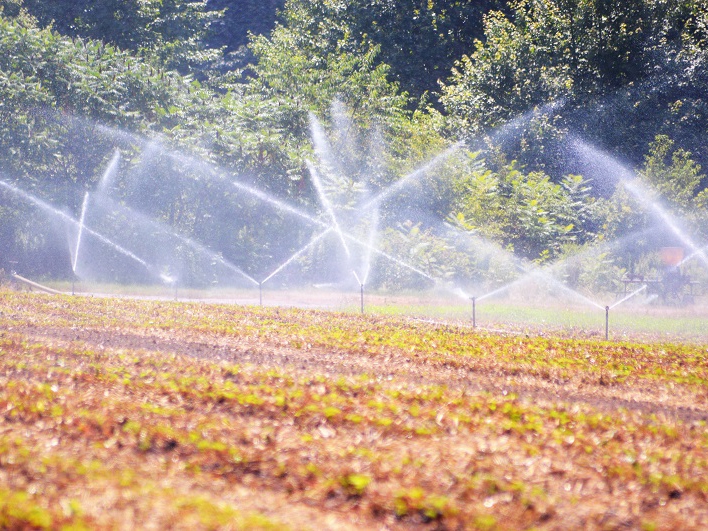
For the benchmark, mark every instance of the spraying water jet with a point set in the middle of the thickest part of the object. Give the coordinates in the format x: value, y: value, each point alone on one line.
x: 78, y: 237
x: 65, y: 217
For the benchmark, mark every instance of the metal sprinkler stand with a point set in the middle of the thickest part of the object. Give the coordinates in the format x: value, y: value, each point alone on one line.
x: 607, y: 323
x: 474, y: 312
x: 361, y: 285
x: 260, y: 293
x: 74, y: 278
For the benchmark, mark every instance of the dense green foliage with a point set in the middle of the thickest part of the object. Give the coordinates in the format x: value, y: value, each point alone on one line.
x: 623, y: 72
x: 419, y: 40
x: 175, y: 31
x: 78, y: 81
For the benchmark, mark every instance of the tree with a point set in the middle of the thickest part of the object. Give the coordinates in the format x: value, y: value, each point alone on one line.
x: 418, y: 40
x: 240, y: 18
x: 306, y: 64
x: 674, y: 175
x: 313, y: 57
x: 526, y: 213
x: 174, y: 30
x: 57, y: 93
x: 617, y: 72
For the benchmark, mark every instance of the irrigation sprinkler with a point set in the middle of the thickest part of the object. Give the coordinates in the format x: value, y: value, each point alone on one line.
x: 361, y: 285
x: 607, y: 323
x: 608, y: 308
x: 170, y: 282
x: 74, y: 280
x: 474, y: 312
x: 260, y: 293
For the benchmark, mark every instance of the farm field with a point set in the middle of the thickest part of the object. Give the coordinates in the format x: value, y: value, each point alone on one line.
x: 528, y: 313
x: 119, y: 413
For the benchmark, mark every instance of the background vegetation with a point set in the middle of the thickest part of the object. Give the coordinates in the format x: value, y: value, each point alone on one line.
x: 234, y: 84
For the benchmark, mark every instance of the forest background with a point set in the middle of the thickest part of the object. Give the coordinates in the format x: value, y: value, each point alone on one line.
x: 235, y: 83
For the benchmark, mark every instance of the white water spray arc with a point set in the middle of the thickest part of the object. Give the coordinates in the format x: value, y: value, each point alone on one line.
x: 78, y: 240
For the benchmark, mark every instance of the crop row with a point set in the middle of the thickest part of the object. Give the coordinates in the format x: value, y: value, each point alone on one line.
x: 438, y: 345
x: 152, y: 425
